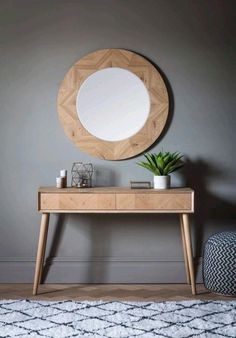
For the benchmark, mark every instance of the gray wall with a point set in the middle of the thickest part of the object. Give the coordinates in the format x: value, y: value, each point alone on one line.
x: 193, y: 44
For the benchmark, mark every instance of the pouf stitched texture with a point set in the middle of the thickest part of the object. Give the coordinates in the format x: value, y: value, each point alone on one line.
x: 219, y: 263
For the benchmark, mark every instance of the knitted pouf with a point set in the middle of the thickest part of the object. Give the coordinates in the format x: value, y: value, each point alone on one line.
x: 219, y: 263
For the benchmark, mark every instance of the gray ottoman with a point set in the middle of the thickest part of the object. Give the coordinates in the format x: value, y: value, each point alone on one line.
x: 219, y: 263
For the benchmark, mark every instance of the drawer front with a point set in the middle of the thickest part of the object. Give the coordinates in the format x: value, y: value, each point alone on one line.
x: 155, y: 202
x: 76, y: 201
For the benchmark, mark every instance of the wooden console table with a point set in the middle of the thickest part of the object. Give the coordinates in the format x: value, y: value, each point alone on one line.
x: 116, y: 200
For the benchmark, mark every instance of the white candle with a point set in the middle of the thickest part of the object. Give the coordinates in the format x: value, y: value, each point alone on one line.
x: 63, y: 173
x: 59, y: 182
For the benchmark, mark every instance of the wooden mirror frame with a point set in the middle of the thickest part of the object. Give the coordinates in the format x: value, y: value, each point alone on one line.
x: 129, y: 147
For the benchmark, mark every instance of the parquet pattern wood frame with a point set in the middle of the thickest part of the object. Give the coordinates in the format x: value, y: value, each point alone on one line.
x: 80, y: 71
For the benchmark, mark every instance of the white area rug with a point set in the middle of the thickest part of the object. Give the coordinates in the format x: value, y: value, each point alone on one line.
x: 185, y: 319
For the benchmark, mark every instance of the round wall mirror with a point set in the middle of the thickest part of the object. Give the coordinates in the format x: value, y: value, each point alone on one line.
x: 113, y: 104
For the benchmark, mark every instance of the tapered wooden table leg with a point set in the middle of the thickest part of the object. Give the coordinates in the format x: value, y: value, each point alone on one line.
x: 184, y: 249
x: 44, y: 250
x: 41, y: 250
x: 188, y: 244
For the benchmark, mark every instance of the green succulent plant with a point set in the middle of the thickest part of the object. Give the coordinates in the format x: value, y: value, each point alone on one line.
x: 163, y: 163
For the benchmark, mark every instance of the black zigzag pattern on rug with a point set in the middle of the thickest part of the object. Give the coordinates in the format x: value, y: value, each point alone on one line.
x: 108, y: 319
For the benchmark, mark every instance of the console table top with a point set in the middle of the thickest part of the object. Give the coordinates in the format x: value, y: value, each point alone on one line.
x: 116, y: 190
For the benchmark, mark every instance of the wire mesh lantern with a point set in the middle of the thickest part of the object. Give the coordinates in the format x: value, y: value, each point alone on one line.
x: 81, y: 175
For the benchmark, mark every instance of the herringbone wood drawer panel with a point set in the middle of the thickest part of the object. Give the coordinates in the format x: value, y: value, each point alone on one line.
x: 77, y: 201
x: 154, y: 201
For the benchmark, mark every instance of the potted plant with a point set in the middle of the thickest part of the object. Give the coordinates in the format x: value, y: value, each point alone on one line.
x: 161, y: 165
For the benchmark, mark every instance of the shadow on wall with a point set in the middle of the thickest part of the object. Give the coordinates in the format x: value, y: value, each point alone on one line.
x: 171, y: 104
x: 208, y: 207
x: 59, y: 230
x: 97, y: 230
x: 100, y: 231
x: 105, y: 177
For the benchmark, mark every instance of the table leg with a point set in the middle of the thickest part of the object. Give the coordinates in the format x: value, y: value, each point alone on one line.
x: 41, y: 251
x: 184, y: 249
x: 188, y: 243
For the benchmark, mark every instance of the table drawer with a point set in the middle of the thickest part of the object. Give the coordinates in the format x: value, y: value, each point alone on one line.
x: 155, y: 202
x: 76, y: 201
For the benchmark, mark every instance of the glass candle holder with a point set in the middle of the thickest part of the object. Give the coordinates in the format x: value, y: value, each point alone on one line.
x: 81, y: 175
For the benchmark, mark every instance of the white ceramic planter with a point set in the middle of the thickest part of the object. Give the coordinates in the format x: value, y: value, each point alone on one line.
x: 161, y: 182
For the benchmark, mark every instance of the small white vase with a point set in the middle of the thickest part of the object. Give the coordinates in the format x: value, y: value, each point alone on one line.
x: 162, y: 182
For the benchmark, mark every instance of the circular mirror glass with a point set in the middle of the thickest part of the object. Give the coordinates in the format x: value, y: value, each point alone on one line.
x: 113, y: 104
